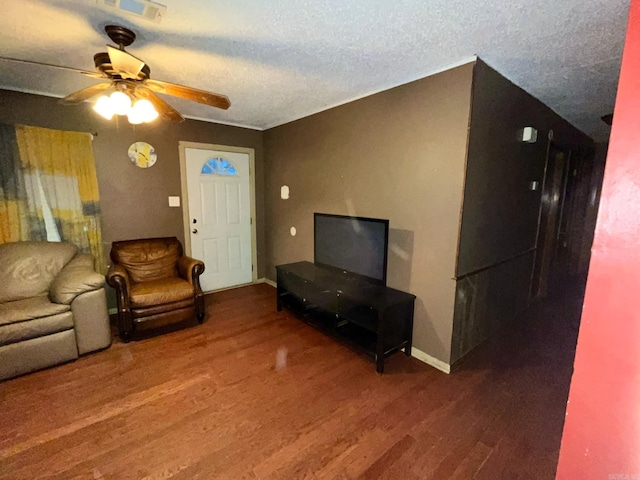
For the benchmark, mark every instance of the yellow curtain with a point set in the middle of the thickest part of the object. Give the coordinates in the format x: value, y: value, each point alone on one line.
x: 14, y: 207
x: 60, y: 199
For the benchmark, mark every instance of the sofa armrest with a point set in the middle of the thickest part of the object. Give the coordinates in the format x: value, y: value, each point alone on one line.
x: 91, y: 321
x: 190, y: 269
x: 118, y: 278
x: 77, y: 277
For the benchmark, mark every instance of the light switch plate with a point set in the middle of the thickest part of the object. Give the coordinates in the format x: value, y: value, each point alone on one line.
x: 174, y: 201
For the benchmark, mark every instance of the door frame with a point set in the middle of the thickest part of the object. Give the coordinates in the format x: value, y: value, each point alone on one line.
x: 545, y: 253
x: 184, y: 194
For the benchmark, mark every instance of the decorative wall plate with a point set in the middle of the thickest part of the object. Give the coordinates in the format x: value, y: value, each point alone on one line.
x: 142, y: 155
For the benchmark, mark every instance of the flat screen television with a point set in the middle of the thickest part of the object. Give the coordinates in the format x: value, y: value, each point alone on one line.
x: 354, y: 245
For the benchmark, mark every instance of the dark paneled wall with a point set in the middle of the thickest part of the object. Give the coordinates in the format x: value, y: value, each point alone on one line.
x: 487, y: 301
x: 500, y: 213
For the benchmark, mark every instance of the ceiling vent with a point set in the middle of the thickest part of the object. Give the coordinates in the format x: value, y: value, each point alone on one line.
x: 146, y: 9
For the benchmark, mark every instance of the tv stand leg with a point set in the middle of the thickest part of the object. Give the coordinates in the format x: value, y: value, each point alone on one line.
x: 380, y: 344
x: 409, y: 331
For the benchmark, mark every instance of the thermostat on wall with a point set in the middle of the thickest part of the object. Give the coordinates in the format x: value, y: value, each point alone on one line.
x: 529, y: 135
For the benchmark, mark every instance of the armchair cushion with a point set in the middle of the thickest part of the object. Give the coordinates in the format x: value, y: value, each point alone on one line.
x: 77, y: 277
x: 148, y: 260
x: 159, y: 292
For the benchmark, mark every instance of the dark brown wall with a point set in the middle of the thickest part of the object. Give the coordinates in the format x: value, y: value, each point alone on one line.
x: 133, y: 200
x: 397, y: 155
x: 500, y: 213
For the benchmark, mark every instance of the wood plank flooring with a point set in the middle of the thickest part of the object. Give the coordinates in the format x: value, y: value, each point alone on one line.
x: 257, y: 394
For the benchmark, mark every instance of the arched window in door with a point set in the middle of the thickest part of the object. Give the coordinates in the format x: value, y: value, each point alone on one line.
x: 219, y: 166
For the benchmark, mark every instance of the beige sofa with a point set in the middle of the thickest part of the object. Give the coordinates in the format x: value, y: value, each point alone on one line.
x: 52, y: 306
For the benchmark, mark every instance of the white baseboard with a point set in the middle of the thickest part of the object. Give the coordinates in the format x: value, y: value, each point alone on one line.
x: 429, y: 360
x: 268, y: 282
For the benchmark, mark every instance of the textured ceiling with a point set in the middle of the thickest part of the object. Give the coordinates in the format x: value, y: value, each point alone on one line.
x: 282, y: 60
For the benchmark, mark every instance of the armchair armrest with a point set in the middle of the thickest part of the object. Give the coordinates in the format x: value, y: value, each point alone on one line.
x: 76, y: 278
x: 118, y: 278
x: 190, y: 269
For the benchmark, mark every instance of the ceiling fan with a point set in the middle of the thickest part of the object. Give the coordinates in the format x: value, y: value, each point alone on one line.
x: 134, y: 91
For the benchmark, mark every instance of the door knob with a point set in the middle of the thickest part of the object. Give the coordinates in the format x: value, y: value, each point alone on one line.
x: 195, y: 230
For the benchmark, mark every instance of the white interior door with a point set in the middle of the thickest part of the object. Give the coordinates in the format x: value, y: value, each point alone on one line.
x: 218, y: 185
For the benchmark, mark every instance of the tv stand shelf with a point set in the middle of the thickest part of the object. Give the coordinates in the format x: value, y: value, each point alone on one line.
x: 373, y: 319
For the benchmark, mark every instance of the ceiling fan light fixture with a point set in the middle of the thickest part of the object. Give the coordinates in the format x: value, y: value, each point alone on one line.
x: 142, y: 112
x: 146, y: 110
x: 135, y: 118
x: 134, y: 89
x: 120, y: 103
x: 103, y: 107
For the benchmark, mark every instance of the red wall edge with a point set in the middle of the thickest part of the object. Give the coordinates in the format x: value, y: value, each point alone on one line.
x: 601, y: 437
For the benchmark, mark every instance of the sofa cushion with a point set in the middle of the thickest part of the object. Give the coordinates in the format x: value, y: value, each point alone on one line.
x: 148, y: 260
x: 28, y: 309
x: 40, y: 327
x: 28, y: 268
x: 76, y: 278
x: 159, y: 292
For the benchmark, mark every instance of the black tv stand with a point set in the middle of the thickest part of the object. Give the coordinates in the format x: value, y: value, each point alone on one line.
x: 373, y: 319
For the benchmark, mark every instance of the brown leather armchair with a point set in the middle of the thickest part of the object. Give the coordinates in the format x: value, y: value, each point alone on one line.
x: 155, y: 284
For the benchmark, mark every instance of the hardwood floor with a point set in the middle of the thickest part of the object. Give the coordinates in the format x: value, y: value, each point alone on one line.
x: 257, y: 394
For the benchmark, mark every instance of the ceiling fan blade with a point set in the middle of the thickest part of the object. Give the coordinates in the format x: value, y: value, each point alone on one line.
x: 85, y: 94
x: 124, y: 63
x: 193, y: 94
x: 162, y: 107
x: 96, y: 75
x: 41, y: 64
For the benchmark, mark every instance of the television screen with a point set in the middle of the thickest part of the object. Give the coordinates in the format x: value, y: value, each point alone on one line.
x: 353, y: 244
